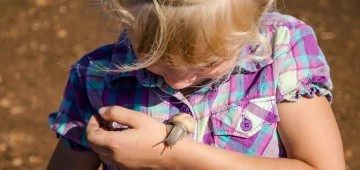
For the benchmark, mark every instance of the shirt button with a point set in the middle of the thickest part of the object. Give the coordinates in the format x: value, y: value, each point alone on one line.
x: 271, y: 117
x: 246, y: 125
x: 184, y: 109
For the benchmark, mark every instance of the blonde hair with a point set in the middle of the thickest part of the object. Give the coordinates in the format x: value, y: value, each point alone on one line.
x: 196, y: 32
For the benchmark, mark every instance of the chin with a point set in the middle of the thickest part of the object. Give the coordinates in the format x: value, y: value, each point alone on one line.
x: 179, y: 86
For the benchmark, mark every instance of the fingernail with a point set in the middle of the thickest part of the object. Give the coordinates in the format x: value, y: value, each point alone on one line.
x: 102, y: 110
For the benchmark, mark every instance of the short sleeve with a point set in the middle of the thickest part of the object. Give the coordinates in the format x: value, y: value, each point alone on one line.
x: 69, y: 122
x: 300, y: 64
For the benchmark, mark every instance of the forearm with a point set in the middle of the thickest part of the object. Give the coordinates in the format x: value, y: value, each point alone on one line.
x: 65, y: 158
x: 194, y: 155
x: 309, y: 134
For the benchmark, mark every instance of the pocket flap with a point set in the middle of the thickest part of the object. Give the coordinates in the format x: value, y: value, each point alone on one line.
x: 245, y: 118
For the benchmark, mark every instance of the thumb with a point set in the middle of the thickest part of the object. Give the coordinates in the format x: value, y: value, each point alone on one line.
x: 95, y: 134
x: 123, y: 116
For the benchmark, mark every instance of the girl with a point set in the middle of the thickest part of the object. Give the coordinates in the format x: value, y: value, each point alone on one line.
x: 255, y: 82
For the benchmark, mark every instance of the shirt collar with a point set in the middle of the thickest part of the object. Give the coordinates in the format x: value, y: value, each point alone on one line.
x: 253, y: 57
x: 123, y: 54
x: 253, y: 64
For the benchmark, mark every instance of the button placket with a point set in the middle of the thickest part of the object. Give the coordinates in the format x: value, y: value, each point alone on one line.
x: 184, y: 109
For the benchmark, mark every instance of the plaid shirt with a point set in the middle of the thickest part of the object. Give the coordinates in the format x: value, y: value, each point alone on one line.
x: 239, y: 114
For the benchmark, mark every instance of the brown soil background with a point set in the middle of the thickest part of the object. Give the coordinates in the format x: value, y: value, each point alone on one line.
x: 39, y: 39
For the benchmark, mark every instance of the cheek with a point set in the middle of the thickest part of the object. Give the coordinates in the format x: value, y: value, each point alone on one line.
x: 156, y: 70
x: 215, y: 73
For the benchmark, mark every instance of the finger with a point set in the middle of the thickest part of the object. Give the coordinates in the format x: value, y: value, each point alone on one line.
x: 109, y: 160
x: 123, y: 116
x: 97, y: 137
x: 93, y: 124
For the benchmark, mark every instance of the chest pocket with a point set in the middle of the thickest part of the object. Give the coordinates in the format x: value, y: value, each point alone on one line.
x: 246, y: 127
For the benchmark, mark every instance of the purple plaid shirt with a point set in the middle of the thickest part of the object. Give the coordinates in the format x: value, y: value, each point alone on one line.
x: 238, y: 114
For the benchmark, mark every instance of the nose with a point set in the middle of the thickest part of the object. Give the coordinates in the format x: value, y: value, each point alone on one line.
x: 190, y: 78
x: 181, y: 80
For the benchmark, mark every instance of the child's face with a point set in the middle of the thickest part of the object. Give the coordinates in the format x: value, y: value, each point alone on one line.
x: 180, y: 79
x: 183, y: 78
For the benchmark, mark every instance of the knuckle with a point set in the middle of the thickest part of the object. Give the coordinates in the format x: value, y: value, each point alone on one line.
x: 112, y: 144
x: 90, y: 141
x: 111, y: 111
x: 90, y: 137
x: 130, y: 119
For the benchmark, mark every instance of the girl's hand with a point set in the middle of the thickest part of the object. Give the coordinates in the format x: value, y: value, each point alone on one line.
x: 132, y: 148
x: 308, y: 130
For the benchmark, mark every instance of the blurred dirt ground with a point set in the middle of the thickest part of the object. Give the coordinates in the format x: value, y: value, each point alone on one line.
x: 39, y: 39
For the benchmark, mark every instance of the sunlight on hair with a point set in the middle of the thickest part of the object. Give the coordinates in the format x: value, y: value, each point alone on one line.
x: 196, y: 32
